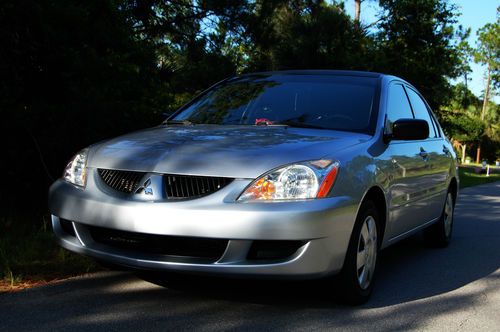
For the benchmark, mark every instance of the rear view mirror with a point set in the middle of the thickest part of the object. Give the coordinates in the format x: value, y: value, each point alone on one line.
x: 410, y: 129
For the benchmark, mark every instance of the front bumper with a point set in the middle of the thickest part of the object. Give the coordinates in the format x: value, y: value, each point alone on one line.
x: 324, y: 225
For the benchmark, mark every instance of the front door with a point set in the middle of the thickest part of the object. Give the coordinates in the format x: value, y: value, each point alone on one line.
x: 435, y: 180
x: 406, y: 165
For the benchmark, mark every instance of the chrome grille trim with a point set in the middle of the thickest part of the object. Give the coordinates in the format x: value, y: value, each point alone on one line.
x: 123, y: 181
x: 174, y: 186
x: 189, y: 186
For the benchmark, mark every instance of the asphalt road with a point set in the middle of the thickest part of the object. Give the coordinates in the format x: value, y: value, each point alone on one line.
x: 418, y: 288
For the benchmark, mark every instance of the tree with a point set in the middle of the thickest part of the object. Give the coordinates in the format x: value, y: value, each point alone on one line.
x: 462, y: 128
x: 195, y: 41
x: 465, y: 54
x: 72, y: 73
x: 488, y: 54
x: 415, y: 42
x: 357, y: 10
x: 77, y: 72
x: 297, y: 34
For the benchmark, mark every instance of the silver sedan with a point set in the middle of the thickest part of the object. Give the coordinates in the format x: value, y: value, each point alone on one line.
x: 293, y: 174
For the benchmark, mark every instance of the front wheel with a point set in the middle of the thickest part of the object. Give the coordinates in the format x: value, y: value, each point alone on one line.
x: 357, y: 275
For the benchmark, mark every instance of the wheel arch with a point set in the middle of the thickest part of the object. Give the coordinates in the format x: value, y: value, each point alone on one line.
x: 377, y: 196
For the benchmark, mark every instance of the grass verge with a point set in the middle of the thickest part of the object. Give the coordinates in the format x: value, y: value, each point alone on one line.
x: 469, y: 178
x: 32, y: 257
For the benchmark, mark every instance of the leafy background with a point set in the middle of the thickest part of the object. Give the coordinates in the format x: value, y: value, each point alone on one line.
x: 76, y: 72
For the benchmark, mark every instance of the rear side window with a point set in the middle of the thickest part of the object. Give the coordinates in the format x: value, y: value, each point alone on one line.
x: 398, y: 106
x: 421, y: 111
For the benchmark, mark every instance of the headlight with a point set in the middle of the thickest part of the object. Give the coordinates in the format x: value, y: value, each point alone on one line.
x: 306, y: 180
x: 76, y: 172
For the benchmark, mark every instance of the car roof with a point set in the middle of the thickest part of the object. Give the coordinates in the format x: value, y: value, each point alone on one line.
x: 385, y: 78
x: 320, y: 72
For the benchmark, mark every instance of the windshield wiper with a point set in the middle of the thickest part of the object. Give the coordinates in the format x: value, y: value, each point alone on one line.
x: 297, y: 124
x: 178, y: 122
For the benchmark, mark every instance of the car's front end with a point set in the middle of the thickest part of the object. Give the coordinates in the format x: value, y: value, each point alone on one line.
x: 250, y: 192
x: 213, y: 233
x: 239, y: 218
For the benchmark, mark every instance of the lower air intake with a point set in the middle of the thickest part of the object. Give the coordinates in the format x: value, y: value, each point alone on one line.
x: 179, y: 246
x: 273, y: 250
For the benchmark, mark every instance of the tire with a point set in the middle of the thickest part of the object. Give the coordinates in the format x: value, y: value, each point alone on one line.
x: 355, y: 281
x: 439, y: 234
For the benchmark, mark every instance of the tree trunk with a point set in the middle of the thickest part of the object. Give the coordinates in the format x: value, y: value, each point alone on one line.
x: 357, y: 10
x: 465, y: 81
x: 483, y: 111
x: 464, y: 147
x: 486, y: 94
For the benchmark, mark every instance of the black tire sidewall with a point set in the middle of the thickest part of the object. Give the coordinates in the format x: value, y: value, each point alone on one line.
x: 350, y: 289
x: 448, y: 237
x: 436, y: 234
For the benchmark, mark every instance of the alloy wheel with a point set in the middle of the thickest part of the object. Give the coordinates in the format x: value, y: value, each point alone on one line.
x: 367, y: 252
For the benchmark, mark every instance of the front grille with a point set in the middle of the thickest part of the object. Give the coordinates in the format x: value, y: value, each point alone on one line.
x: 180, y: 246
x: 187, y: 186
x: 124, y: 181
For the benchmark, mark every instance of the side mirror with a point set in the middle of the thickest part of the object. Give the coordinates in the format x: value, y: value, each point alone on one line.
x: 410, y: 129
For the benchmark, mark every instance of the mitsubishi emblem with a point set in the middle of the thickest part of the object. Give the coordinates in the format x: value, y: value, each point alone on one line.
x: 145, y: 187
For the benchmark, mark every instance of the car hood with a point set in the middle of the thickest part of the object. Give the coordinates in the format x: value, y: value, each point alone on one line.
x: 230, y: 151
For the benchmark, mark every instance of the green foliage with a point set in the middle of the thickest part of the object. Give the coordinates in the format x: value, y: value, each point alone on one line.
x: 461, y: 119
x: 305, y: 34
x: 415, y: 41
x: 465, y: 52
x: 75, y: 72
x: 72, y: 74
x: 463, y: 98
x: 194, y: 41
x: 488, y: 48
x: 35, y: 255
x: 462, y: 127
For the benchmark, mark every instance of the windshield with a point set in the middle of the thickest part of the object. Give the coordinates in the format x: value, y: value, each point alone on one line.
x: 310, y: 101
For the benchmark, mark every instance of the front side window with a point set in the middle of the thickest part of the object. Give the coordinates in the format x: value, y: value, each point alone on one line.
x: 398, y: 106
x: 316, y: 101
x: 420, y: 110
